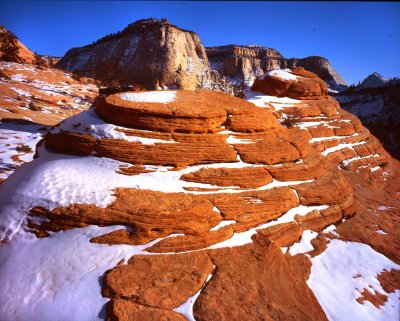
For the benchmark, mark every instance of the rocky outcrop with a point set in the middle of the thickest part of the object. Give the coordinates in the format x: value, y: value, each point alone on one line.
x: 164, y: 129
x: 322, y: 68
x: 42, y: 95
x: 152, y: 53
x: 266, y: 284
x: 12, y: 50
x: 304, y: 104
x: 243, y: 64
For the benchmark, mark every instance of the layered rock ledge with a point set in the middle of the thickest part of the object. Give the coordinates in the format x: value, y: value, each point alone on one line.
x: 299, y: 99
x: 199, y: 180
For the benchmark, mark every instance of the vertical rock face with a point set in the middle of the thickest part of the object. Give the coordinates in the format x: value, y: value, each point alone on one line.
x: 244, y: 63
x: 12, y: 50
x: 376, y: 103
x: 149, y: 52
x: 322, y: 68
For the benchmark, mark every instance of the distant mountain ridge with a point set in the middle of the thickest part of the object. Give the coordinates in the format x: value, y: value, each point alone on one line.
x: 374, y: 80
x: 156, y: 54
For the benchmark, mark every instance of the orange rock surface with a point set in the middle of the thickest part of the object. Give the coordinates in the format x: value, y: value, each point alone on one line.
x: 42, y: 95
x: 266, y: 285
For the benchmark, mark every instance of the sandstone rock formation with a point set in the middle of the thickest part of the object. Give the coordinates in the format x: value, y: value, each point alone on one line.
x: 42, y: 95
x: 167, y: 172
x: 304, y: 104
x: 12, y: 50
x: 322, y: 68
x: 222, y: 129
x: 243, y: 64
x: 152, y: 53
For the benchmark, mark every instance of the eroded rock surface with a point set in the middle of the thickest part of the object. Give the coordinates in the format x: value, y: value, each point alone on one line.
x: 150, y: 52
x: 187, y: 196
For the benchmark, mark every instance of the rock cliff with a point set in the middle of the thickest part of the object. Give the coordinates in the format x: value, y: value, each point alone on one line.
x: 322, y: 68
x: 377, y: 106
x: 242, y: 64
x: 151, y: 53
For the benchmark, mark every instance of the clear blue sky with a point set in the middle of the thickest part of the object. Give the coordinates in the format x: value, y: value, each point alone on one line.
x: 358, y: 38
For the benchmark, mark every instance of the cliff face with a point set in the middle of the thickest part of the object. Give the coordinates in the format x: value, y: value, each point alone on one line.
x: 242, y: 64
x: 378, y: 109
x: 150, y: 52
x: 322, y: 68
x: 12, y: 50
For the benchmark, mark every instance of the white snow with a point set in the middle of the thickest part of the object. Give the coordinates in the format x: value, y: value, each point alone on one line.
x: 88, y: 122
x: 222, y: 224
x: 243, y: 238
x: 233, y: 140
x: 384, y: 208
x: 58, y: 278
x: 13, y: 135
x: 305, y: 243
x: 331, y: 229
x: 263, y: 101
x: 280, y: 73
x: 161, y: 97
x: 21, y: 92
x: 342, y: 272
x: 348, y: 161
x: 340, y: 146
x: 381, y: 232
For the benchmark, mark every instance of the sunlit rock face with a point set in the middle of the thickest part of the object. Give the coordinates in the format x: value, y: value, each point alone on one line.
x: 300, y: 100
x: 151, y: 53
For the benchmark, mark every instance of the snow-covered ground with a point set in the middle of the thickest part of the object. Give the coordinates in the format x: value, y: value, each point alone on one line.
x: 342, y: 272
x: 17, y: 145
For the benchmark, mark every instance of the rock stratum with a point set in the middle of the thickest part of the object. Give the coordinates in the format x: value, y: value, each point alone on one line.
x: 243, y: 64
x: 155, y: 54
x: 196, y: 205
x: 151, y: 53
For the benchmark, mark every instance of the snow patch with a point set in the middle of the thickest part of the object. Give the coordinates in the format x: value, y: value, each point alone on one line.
x: 160, y: 97
x: 280, y: 73
x: 342, y: 272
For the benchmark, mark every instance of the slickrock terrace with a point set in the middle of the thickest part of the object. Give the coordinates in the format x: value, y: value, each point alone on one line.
x: 201, y: 152
x: 184, y: 188
x: 303, y: 103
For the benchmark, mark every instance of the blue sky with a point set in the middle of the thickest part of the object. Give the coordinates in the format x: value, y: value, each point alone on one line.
x: 358, y: 38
